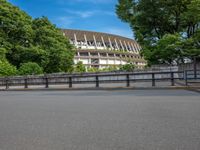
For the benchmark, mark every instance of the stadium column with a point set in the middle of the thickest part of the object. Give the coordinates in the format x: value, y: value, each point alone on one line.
x: 95, y: 42
x: 134, y: 49
x: 117, y: 44
x: 89, y: 59
x: 137, y: 48
x: 86, y: 41
x: 130, y: 47
x: 99, y: 57
x: 103, y: 42
x: 110, y: 43
x: 75, y: 38
x: 126, y: 46
x: 121, y: 45
x: 107, y: 60
x: 114, y: 59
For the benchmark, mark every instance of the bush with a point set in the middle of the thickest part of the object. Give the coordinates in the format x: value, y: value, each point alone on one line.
x: 93, y: 69
x: 79, y: 67
x: 109, y: 69
x: 30, y: 68
x: 6, y: 69
x: 127, y: 67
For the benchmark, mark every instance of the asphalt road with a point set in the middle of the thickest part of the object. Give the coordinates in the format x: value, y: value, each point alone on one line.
x: 100, y: 120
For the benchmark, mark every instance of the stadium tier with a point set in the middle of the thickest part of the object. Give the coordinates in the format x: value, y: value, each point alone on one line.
x: 102, y: 50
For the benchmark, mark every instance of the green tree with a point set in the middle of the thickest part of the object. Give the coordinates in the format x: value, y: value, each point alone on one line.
x: 151, y: 20
x: 191, y: 47
x: 27, y: 54
x: 58, y: 51
x: 23, y: 40
x: 15, y: 29
x: 191, y: 17
x: 169, y: 49
x: 30, y: 68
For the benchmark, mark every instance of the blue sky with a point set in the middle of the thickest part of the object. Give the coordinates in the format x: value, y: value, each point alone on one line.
x: 95, y: 15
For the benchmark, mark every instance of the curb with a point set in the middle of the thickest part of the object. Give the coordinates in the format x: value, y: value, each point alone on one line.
x: 197, y: 89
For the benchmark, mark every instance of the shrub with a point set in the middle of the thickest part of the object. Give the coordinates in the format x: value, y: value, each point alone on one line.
x: 6, y: 69
x: 127, y: 67
x: 93, y: 69
x: 30, y: 68
x: 79, y: 67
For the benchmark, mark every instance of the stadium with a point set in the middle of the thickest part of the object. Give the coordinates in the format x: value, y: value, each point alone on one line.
x: 102, y: 50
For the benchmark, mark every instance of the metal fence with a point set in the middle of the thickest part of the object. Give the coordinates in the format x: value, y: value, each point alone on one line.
x: 192, y: 77
x: 187, y: 77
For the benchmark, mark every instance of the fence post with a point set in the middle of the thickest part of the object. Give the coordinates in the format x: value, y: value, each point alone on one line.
x: 186, y: 79
x: 195, y: 67
x: 70, y: 82
x: 7, y: 83
x: 153, y: 79
x: 97, y: 81
x: 26, y: 83
x: 46, y: 82
x: 127, y: 81
x: 172, y: 78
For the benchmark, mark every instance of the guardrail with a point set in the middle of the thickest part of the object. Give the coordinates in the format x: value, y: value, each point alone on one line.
x: 99, y: 78
x: 192, y: 77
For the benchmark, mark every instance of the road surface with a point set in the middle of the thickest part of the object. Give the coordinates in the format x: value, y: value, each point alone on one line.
x: 100, y: 120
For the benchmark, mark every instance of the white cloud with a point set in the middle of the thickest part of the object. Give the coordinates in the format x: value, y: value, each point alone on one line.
x: 88, y: 14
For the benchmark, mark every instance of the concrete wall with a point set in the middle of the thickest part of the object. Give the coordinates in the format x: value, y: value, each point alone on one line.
x: 188, y: 66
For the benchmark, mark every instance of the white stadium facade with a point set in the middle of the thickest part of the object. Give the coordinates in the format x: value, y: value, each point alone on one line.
x: 102, y: 50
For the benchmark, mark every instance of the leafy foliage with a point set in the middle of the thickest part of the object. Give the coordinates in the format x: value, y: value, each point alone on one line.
x: 58, y: 52
x: 6, y: 69
x: 2, y: 53
x: 93, y: 69
x: 169, y: 48
x: 79, y: 67
x: 30, y: 68
x: 127, y: 67
x: 165, y: 20
x: 23, y: 40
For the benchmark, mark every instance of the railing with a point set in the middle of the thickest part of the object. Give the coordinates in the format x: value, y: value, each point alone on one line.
x: 100, y: 78
x: 192, y: 77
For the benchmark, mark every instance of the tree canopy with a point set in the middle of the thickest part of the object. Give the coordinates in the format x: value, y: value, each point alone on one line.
x: 168, y: 30
x: 23, y: 40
